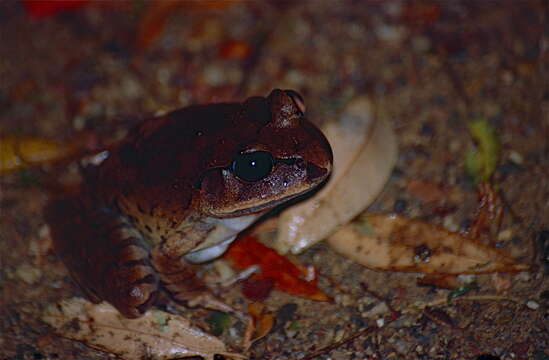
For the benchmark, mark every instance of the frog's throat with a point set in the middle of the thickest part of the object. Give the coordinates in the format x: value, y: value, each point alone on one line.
x: 217, y: 241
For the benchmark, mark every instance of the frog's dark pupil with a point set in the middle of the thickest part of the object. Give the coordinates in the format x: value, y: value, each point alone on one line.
x: 252, y: 166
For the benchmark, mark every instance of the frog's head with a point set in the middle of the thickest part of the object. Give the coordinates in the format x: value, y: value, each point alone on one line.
x: 281, y: 156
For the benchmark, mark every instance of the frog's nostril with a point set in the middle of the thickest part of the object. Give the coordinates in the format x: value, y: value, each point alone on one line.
x: 314, y: 172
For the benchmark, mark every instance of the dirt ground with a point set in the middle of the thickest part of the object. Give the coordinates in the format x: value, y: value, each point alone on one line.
x: 433, y: 66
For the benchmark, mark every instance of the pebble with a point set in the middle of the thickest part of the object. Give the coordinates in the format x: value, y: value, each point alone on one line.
x: 524, y: 276
x: 427, y: 129
x: 402, y: 347
x: 344, y: 300
x: 29, y: 274
x: 532, y: 305
x: 377, y: 310
x: 455, y: 146
x: 421, y: 44
x: 390, y: 33
x: 214, y: 75
x: 505, y: 235
x: 400, y: 206
x: 450, y: 224
x: 516, y: 157
x: 339, y: 335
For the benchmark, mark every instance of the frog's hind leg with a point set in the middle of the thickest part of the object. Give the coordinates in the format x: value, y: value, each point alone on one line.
x: 106, y: 256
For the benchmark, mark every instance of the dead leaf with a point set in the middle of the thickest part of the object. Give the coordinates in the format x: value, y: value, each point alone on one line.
x: 263, y: 320
x: 293, y: 279
x: 20, y: 152
x: 155, y: 335
x: 390, y: 242
x: 365, y: 151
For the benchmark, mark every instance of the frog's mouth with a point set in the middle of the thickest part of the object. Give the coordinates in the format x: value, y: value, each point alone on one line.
x: 248, y: 209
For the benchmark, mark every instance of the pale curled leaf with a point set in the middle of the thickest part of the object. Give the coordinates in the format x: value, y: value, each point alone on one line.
x: 365, y: 151
x: 400, y: 244
x: 155, y: 335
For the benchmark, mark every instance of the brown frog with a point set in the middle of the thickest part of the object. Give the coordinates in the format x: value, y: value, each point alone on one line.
x: 177, y: 190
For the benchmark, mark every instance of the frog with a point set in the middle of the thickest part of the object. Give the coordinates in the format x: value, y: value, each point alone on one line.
x: 177, y: 190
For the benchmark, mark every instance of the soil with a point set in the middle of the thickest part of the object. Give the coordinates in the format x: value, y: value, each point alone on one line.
x: 432, y: 66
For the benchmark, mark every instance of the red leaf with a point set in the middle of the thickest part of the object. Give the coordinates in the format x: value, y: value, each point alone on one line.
x: 46, y: 8
x: 287, y: 276
x: 234, y: 49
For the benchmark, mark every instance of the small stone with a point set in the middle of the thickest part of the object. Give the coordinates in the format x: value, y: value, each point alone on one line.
x: 377, y: 310
x: 524, y: 276
x: 344, y: 300
x: 427, y: 129
x: 455, y: 146
x: 516, y: 157
x: 214, y: 75
x: 421, y: 44
x: 79, y: 122
x: 400, y: 206
x: 466, y: 278
x: 505, y: 235
x: 450, y: 224
x: 339, y: 335
x: 390, y: 33
x: 402, y: 347
x: 532, y: 305
x: 29, y: 274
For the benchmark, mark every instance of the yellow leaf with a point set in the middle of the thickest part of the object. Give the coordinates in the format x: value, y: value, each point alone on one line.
x: 18, y: 152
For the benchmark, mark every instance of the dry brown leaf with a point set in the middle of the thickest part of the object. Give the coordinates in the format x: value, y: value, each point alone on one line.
x: 263, y: 320
x: 155, y: 335
x: 389, y: 242
x: 365, y: 151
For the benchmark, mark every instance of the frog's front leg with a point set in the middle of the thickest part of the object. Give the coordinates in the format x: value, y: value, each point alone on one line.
x: 179, y: 278
x: 105, y: 254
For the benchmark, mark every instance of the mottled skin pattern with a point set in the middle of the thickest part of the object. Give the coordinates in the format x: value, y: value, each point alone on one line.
x: 153, y: 199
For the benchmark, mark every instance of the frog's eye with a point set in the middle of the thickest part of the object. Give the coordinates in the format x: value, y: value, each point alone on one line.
x: 252, y: 166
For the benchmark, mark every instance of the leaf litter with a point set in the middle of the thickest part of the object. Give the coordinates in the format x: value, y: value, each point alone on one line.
x: 156, y: 335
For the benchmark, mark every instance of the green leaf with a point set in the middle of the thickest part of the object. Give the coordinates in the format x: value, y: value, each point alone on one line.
x: 219, y: 321
x: 481, y: 161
